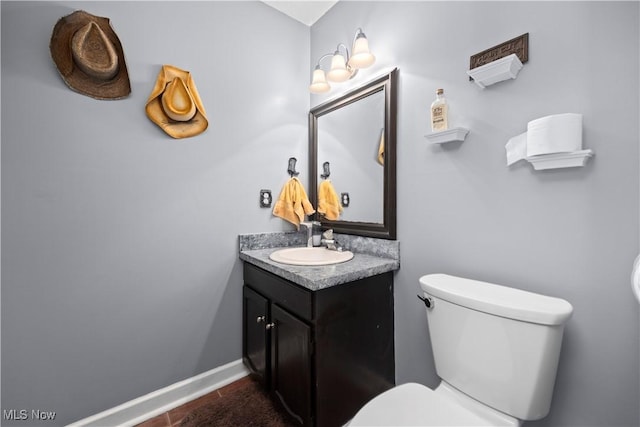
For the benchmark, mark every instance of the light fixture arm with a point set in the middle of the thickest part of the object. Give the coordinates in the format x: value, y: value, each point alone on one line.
x: 326, y: 55
x: 345, y: 49
x: 359, y: 33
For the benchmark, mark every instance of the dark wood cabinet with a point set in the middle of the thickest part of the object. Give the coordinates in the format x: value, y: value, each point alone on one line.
x: 256, y: 308
x: 291, y: 363
x: 323, y: 354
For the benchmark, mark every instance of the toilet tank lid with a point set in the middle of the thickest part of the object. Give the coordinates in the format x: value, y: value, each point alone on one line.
x: 497, y: 300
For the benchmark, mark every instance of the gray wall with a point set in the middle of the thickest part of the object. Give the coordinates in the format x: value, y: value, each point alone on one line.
x: 569, y: 233
x: 120, y: 273
x: 119, y: 269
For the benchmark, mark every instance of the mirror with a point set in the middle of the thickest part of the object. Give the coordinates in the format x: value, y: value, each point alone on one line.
x: 352, y: 144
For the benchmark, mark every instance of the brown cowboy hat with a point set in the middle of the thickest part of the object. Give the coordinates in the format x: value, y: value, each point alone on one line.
x: 89, y: 56
x: 174, y: 104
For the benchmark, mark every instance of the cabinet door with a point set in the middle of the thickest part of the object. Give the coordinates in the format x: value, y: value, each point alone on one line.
x: 291, y: 363
x: 255, y: 344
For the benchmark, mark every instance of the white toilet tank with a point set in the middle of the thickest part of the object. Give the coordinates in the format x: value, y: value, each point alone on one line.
x: 496, y: 344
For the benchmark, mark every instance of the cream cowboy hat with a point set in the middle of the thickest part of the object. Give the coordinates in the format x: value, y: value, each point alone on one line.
x: 89, y: 56
x: 174, y: 104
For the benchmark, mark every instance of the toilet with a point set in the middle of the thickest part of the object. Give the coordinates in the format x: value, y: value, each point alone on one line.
x: 496, y: 351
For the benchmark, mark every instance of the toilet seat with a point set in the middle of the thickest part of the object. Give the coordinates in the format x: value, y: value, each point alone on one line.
x: 413, y: 404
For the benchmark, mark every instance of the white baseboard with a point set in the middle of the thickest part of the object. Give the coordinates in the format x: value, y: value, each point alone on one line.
x: 160, y: 401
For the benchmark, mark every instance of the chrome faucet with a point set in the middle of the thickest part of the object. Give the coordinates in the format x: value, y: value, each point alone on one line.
x: 329, y: 241
x: 310, y: 226
x: 331, y: 245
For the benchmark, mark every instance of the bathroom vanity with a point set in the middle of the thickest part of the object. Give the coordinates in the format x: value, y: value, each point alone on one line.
x: 320, y: 338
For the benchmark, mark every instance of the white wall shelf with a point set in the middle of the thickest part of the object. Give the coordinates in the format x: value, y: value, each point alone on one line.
x: 450, y: 135
x: 496, y: 71
x: 560, y: 160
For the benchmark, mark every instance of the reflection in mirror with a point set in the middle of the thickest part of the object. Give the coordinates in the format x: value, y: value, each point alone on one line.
x: 352, y: 147
x: 349, y: 139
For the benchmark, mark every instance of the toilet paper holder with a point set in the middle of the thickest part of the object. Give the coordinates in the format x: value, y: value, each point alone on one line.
x: 550, y: 142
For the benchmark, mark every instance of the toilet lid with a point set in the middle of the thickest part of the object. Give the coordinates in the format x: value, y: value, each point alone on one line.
x: 413, y: 404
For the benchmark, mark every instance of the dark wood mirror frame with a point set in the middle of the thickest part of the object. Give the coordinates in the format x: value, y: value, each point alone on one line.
x: 387, y: 229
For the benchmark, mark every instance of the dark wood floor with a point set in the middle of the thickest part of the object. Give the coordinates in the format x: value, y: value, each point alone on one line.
x: 174, y: 417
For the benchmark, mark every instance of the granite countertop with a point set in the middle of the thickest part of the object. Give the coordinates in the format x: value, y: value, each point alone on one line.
x: 371, y: 257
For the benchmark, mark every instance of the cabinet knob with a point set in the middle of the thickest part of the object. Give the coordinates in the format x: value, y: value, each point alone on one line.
x: 260, y: 319
x: 270, y: 326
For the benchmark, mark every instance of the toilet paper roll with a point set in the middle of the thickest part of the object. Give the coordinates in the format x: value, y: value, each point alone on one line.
x: 516, y: 149
x: 635, y: 279
x: 559, y: 133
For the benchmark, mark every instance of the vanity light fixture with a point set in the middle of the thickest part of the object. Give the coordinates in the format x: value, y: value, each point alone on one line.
x: 342, y: 69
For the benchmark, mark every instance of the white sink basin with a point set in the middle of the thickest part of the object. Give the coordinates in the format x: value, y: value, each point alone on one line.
x: 310, y: 256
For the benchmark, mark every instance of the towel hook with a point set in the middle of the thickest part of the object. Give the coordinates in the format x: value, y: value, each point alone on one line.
x: 325, y: 171
x: 292, y: 167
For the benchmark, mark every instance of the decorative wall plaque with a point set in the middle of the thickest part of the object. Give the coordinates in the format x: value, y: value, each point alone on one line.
x: 518, y: 45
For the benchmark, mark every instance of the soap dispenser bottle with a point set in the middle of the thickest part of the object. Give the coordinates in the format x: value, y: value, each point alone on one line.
x: 439, y: 112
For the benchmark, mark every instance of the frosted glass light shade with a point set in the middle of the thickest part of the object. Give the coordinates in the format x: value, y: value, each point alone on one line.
x: 319, y: 82
x: 361, y: 57
x: 338, y: 71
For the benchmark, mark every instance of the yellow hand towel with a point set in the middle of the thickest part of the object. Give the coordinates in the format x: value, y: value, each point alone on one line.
x: 293, y: 204
x: 328, y: 202
x: 381, y: 148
